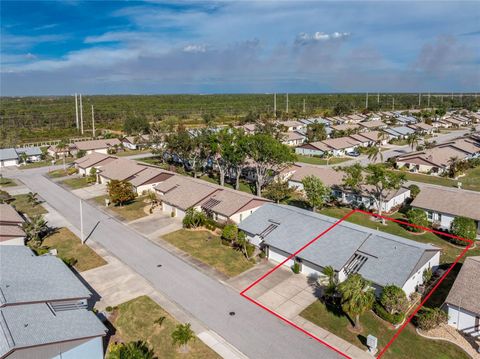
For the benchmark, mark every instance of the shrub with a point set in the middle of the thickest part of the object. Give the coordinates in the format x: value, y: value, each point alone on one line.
x: 391, y: 318
x: 109, y: 309
x: 427, y: 275
x: 71, y: 171
x: 250, y: 249
x: 414, y: 190
x: 296, y: 268
x: 194, y: 218
x: 70, y: 261
x: 394, y: 299
x: 465, y: 228
x: 230, y: 232
x: 428, y: 318
x: 417, y: 217
x: 120, y: 192
x: 262, y: 254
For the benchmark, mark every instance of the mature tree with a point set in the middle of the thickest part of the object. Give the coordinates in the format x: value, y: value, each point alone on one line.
x: 413, y: 140
x: 136, y: 125
x: 272, y: 128
x: 414, y: 190
x: 23, y: 157
x: 208, y: 119
x: 394, y: 299
x: 63, y: 146
x: 221, y: 144
x: 268, y: 156
x: 131, y: 350
x: 353, y: 177
x: 315, y: 191
x: 316, y: 132
x: 120, y: 192
x: 453, y: 166
x: 182, y: 335
x: 374, y: 152
x: 35, y: 229
x: 81, y: 153
x: 194, y: 218
x: 357, y: 297
x: 465, y: 228
x: 382, y: 181
x: 236, y: 154
x: 417, y: 217
x: 278, y: 191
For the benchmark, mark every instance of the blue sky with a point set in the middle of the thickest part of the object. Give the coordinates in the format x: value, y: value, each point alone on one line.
x: 102, y: 47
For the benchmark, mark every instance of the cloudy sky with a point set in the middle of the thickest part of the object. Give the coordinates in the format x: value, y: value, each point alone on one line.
x: 238, y: 46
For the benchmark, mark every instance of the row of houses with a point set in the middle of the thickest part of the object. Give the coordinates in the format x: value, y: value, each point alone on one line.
x: 437, y: 160
x: 15, y: 156
x: 176, y: 193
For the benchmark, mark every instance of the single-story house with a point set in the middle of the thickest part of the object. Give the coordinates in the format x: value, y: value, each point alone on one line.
x: 119, y: 169
x: 317, y: 148
x: 400, y: 132
x: 145, y: 180
x: 56, y: 152
x: 292, y: 125
x: 100, y: 146
x: 11, y: 232
x: 355, y: 118
x: 314, y: 120
x: 336, y: 146
x: 463, y: 304
x: 33, y: 154
x: 443, y: 204
x: 405, y: 120
x: 293, y: 138
x: 248, y: 128
x: 345, y: 127
x: 373, y: 125
x: 94, y: 160
x: 379, y: 257
x: 334, y: 179
x: 136, y: 142
x: 8, y: 157
x: 436, y: 160
x: 44, y: 309
x: 179, y: 193
x: 423, y: 128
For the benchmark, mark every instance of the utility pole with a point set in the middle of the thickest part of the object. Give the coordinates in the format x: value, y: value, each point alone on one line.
x: 81, y: 114
x: 378, y: 97
x: 419, y: 100
x: 393, y: 103
x: 303, y: 105
x: 275, y: 104
x: 76, y: 110
x: 81, y: 223
x: 428, y: 100
x: 366, y: 101
x: 286, y: 109
x: 93, y: 124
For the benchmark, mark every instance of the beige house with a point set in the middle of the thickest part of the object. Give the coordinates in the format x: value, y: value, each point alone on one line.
x: 93, y: 160
x: 119, y: 169
x: 373, y: 125
x: 11, y: 232
x: 100, y: 146
x: 147, y: 179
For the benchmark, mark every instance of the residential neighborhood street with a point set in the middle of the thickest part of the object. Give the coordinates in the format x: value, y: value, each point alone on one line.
x: 205, y: 298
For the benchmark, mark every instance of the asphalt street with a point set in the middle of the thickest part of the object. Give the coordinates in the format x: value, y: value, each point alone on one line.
x: 252, y: 330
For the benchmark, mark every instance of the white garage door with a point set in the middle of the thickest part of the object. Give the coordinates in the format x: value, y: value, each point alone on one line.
x: 279, y: 256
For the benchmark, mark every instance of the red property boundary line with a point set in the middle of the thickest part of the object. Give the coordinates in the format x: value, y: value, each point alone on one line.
x: 397, y: 333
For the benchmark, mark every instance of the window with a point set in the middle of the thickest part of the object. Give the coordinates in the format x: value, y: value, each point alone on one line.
x: 429, y: 215
x: 241, y: 217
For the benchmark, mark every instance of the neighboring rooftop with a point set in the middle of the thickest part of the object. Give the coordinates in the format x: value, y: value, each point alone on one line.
x: 97, y: 144
x: 121, y: 169
x: 8, y: 154
x: 466, y: 288
x: 9, y: 214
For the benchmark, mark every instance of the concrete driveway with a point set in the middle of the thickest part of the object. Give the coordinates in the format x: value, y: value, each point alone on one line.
x: 156, y: 224
x: 96, y: 190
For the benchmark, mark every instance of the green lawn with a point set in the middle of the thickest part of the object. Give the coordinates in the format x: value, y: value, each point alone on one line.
x: 76, y: 182
x: 209, y: 249
x: 244, y: 187
x: 46, y: 162
x: 407, y: 345
x: 135, y: 320
x: 68, y: 246
x: 321, y: 161
x: 7, y: 182
x: 132, y: 152
x: 449, y: 252
x: 129, y: 212
x: 21, y: 204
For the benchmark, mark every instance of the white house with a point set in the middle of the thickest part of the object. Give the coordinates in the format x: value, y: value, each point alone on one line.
x: 8, y: 157
x: 443, y: 204
x: 94, y: 160
x: 462, y: 303
x: 136, y: 142
x: 379, y: 257
x: 100, y: 146
x: 33, y: 154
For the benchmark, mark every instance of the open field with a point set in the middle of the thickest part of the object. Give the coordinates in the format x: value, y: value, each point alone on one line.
x: 209, y: 249
x: 135, y: 320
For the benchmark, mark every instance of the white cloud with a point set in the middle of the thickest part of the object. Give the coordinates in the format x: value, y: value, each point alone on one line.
x: 195, y: 48
x: 304, y: 38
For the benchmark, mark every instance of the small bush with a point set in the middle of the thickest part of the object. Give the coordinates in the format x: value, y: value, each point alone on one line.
x: 159, y: 320
x: 230, y: 232
x: 262, y: 254
x: 109, y: 309
x: 427, y: 275
x: 465, y: 228
x: 71, y: 171
x: 250, y: 248
x: 70, y: 261
x: 391, y: 318
x: 296, y: 268
x: 427, y: 318
x: 417, y: 217
x: 194, y: 218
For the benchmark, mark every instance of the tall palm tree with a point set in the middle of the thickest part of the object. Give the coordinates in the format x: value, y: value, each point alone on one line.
x: 413, y: 140
x: 374, y: 151
x: 34, y: 230
x: 453, y: 166
x: 331, y: 288
x: 357, y: 297
x: 63, y: 146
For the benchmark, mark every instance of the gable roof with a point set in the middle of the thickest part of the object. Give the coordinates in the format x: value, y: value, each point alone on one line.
x: 94, y: 159
x: 9, y: 214
x: 27, y: 278
x: 345, y: 127
x: 121, y: 169
x: 8, y: 154
x: 30, y: 151
x: 465, y: 289
x: 372, y: 124
x: 389, y: 259
x: 454, y: 201
x: 97, y: 144
x: 329, y: 176
x: 149, y: 174
x: 341, y: 143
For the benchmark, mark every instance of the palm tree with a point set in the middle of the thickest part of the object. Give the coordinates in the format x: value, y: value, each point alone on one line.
x: 32, y: 198
x: 63, y: 146
x: 412, y: 140
x: 34, y: 230
x: 182, y: 335
x: 23, y: 157
x: 374, y: 151
x: 357, y: 297
x: 331, y: 288
x: 152, y: 198
x: 131, y: 350
x: 453, y: 166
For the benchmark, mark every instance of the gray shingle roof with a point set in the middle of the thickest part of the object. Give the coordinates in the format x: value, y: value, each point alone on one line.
x: 28, y: 278
x: 391, y: 259
x: 8, y: 154
x: 466, y: 288
x: 39, y: 324
x: 30, y: 151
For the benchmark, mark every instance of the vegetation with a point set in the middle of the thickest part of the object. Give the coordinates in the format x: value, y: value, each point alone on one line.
x: 208, y: 248
x: 35, y: 230
x: 394, y: 299
x: 238, y: 240
x: 23, y: 203
x: 6, y: 182
x: 77, y: 182
x: 314, y: 160
x: 278, y: 191
x: 135, y: 125
x: 417, y: 217
x: 429, y: 318
x: 316, y: 132
x: 136, y: 320
x: 129, y: 212
x: 194, y: 218
x: 120, y: 192
x: 131, y: 350
x: 414, y: 190
x: 464, y: 228
x: 357, y: 297
x: 315, y: 191
x: 70, y: 247
x: 182, y: 335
